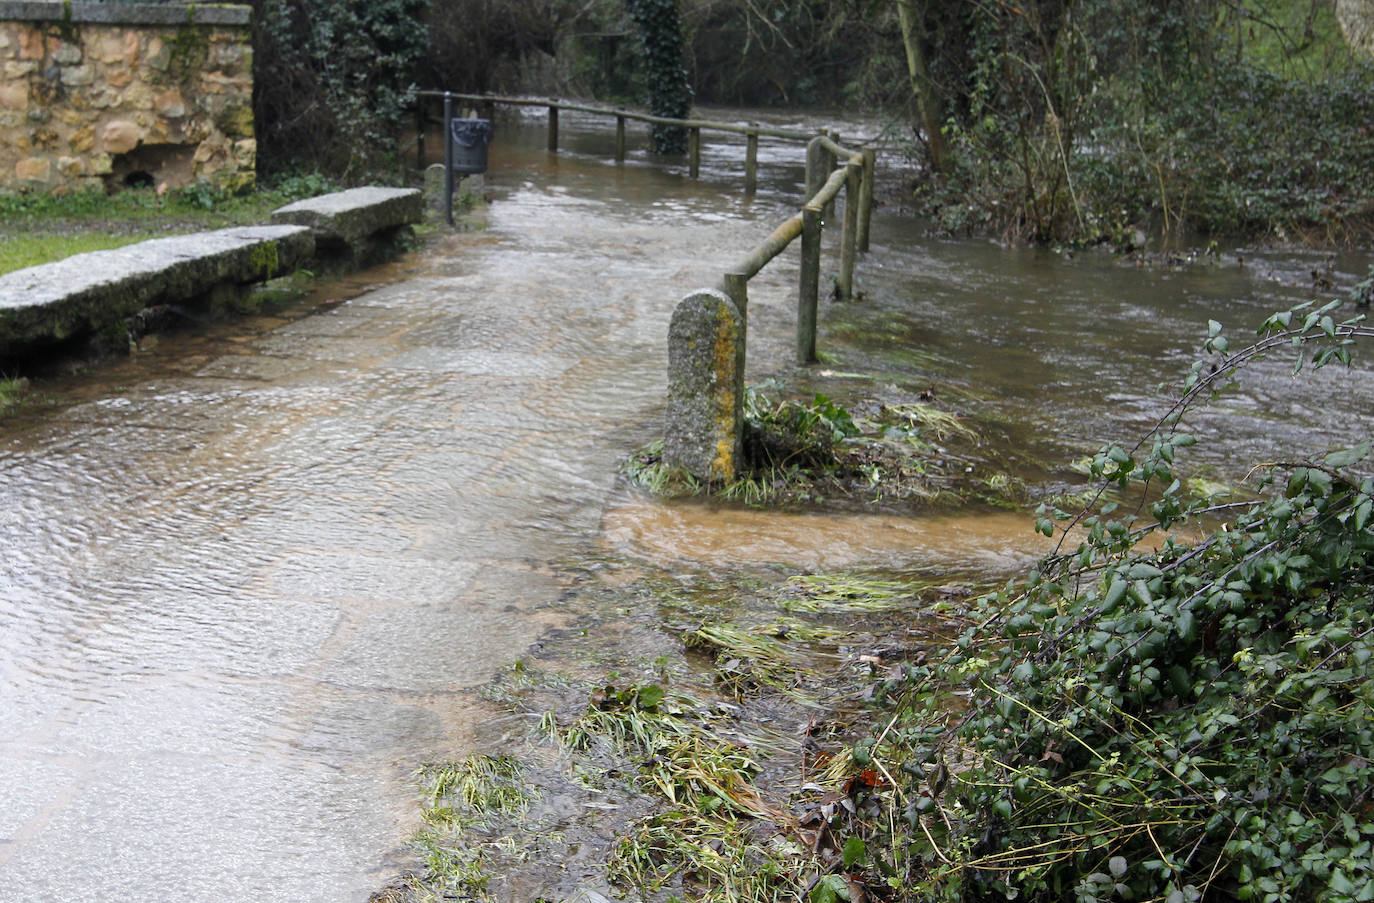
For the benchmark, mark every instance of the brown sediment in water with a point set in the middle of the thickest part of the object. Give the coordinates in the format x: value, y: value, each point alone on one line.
x: 996, y: 542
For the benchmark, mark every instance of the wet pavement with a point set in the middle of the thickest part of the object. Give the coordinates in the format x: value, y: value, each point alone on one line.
x: 251, y: 581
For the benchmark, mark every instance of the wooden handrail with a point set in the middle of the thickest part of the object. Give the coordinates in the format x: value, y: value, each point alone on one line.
x: 772, y: 246
x: 854, y: 175
x: 785, y: 134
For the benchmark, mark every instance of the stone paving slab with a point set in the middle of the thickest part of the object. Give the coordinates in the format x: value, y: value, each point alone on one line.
x: 351, y: 217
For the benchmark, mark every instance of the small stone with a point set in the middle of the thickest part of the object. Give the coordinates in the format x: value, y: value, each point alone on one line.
x: 104, y: 99
x: 159, y: 55
x: 33, y: 169
x: 71, y: 167
x: 120, y: 136
x: 434, y: 187
x: 14, y: 96
x: 246, y: 153
x: 138, y: 96
x: 170, y: 104
x: 118, y: 77
x: 110, y: 48
x: 82, y: 140
x: 67, y: 55
x: 78, y: 76
x: 101, y: 164
x: 44, y: 136
x: 20, y: 68
x: 31, y: 44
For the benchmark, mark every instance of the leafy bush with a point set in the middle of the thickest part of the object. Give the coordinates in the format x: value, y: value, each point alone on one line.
x: 1082, y: 122
x: 335, y: 81
x: 1191, y: 723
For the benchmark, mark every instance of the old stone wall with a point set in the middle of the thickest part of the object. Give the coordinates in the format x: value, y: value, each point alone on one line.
x: 112, y: 95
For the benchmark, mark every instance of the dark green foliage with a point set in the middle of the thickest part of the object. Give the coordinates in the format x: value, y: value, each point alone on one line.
x: 1194, y: 723
x: 477, y: 46
x: 334, y: 81
x: 1084, y: 121
x: 789, y: 52
x: 670, y: 95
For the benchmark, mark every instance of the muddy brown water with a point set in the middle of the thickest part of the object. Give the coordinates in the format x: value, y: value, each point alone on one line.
x: 252, y: 578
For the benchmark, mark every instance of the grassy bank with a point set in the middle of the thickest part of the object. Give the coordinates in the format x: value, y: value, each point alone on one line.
x: 36, y: 229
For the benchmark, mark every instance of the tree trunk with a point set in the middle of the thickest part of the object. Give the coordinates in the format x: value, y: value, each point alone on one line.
x: 927, y: 96
x: 1357, y: 23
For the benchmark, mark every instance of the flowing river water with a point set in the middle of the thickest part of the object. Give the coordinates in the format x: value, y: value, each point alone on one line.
x: 253, y: 577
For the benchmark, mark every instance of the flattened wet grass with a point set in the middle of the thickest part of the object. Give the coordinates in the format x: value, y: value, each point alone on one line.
x: 678, y: 739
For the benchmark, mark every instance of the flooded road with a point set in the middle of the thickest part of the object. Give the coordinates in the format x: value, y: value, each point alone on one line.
x: 251, y: 580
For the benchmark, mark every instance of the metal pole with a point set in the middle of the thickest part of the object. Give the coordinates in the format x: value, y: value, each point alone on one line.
x: 866, y: 196
x: 694, y: 152
x: 809, y: 294
x: 620, y: 139
x: 448, y: 157
x: 850, y: 233
x: 751, y: 164
x: 420, y: 133
x: 553, y: 127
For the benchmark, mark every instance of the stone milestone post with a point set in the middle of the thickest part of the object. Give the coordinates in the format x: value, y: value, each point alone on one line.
x: 705, y: 387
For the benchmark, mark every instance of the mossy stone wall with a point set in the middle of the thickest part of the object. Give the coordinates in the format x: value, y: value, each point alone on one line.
x: 108, y: 95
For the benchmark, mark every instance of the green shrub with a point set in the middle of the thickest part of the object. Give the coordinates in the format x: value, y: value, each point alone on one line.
x: 1191, y: 723
x: 335, y: 81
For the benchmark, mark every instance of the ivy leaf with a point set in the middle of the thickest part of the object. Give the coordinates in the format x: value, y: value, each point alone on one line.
x: 1347, y: 456
x: 853, y: 851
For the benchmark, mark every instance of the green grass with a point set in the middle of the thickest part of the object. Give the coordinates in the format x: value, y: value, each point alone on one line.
x: 20, y: 251
x: 39, y: 228
x: 11, y: 392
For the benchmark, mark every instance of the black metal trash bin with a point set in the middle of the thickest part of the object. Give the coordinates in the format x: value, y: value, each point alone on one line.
x: 469, y: 139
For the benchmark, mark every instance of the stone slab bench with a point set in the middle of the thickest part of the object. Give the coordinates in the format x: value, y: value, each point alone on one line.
x: 95, y: 293
x: 351, y: 222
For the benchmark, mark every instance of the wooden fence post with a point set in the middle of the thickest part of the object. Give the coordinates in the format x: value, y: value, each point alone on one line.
x: 866, y: 196
x: 808, y: 294
x: 816, y: 170
x: 553, y: 127
x: 736, y: 286
x: 751, y: 163
x: 694, y: 152
x: 619, y: 139
x: 850, y: 233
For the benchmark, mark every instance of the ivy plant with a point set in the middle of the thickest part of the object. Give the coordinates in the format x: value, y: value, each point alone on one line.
x: 1189, y: 722
x: 670, y: 94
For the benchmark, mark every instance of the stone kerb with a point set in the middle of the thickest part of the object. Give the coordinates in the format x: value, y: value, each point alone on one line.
x: 93, y: 293
x: 102, y: 96
x: 348, y: 222
x: 702, y: 427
